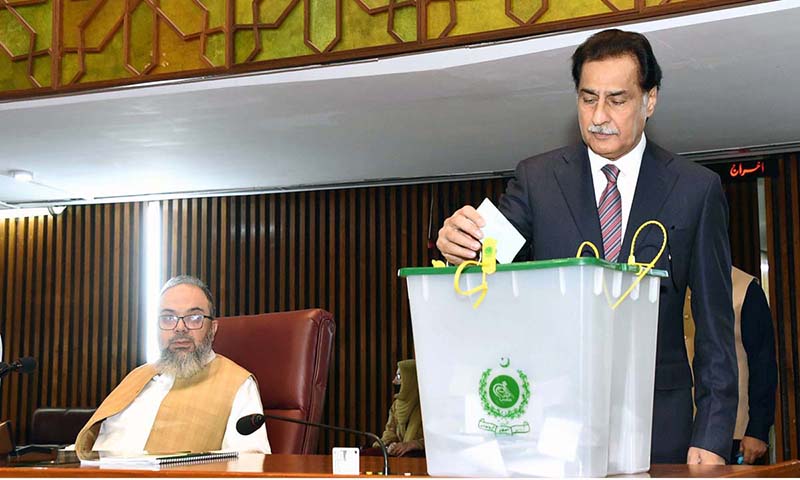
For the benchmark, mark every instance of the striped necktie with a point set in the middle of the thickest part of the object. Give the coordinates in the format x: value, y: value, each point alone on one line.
x: 610, y: 213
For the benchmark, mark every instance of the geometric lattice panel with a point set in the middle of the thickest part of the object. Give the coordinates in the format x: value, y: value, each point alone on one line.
x: 293, y: 28
x: 452, y: 18
x: 25, y: 44
x: 108, y: 39
x: 658, y: 3
x: 47, y: 45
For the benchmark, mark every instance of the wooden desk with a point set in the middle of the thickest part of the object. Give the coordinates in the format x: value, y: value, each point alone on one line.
x: 252, y: 465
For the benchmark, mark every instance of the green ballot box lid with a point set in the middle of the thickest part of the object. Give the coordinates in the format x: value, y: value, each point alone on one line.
x: 535, y: 265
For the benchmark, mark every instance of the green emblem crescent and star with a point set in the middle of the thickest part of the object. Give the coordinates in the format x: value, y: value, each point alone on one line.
x: 504, y: 397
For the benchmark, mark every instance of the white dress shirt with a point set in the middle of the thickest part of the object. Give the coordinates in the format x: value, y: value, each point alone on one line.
x: 628, y: 165
x: 128, y: 430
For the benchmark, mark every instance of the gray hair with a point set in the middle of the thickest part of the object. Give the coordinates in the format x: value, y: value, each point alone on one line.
x: 194, y: 281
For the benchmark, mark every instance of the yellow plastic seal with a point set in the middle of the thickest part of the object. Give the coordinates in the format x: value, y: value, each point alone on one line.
x: 589, y: 244
x: 644, y: 267
x: 488, y: 264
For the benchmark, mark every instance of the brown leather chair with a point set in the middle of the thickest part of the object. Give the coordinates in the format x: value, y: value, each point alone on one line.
x: 288, y: 353
x: 51, y: 428
x: 57, y: 426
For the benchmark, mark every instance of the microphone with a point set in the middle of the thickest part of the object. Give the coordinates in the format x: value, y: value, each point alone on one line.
x: 250, y: 423
x: 22, y: 365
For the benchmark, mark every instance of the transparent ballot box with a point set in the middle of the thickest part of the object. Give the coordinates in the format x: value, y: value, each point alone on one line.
x: 550, y: 375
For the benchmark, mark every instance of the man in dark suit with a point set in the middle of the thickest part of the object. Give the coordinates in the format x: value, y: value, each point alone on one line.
x: 602, y: 191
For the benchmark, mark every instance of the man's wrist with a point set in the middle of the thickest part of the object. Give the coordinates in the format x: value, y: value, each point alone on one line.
x: 715, y: 451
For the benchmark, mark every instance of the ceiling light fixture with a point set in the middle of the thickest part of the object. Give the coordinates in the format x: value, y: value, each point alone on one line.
x: 24, y: 176
x: 55, y: 210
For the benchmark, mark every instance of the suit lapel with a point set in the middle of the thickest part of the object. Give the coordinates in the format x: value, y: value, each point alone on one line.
x: 574, y: 178
x: 654, y: 185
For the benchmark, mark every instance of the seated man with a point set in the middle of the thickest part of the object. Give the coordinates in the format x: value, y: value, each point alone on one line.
x: 190, y: 399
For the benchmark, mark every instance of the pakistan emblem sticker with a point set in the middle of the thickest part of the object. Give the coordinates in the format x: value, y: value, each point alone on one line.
x: 505, y: 397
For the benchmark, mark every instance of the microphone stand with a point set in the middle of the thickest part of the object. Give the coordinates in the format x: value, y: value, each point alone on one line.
x: 6, y: 368
x: 341, y: 429
x: 22, y: 365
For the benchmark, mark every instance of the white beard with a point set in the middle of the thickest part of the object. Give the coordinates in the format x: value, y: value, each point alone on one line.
x: 185, y: 364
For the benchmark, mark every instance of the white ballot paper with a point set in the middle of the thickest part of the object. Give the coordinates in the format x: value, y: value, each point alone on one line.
x: 509, y: 240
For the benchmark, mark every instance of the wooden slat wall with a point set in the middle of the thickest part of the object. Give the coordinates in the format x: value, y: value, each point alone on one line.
x: 70, y: 297
x: 743, y: 227
x: 339, y: 250
x: 783, y: 238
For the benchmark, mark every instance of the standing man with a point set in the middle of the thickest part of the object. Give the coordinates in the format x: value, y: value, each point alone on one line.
x: 602, y: 190
x: 188, y: 401
x: 758, y: 368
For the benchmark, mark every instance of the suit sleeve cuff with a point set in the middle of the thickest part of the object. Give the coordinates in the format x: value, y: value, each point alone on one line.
x: 758, y: 430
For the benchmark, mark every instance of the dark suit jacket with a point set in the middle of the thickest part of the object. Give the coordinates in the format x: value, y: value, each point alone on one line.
x: 552, y: 203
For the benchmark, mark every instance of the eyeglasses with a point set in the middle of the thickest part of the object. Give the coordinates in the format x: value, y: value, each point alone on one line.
x: 192, y: 321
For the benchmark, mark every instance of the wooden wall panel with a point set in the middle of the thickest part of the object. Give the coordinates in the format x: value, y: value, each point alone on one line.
x: 783, y: 238
x: 71, y: 299
x: 337, y: 249
x: 744, y: 227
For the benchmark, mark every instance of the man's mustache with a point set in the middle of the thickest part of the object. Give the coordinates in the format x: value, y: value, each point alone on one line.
x: 180, y: 338
x: 603, y: 130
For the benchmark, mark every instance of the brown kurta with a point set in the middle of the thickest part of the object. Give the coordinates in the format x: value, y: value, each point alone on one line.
x: 192, y: 417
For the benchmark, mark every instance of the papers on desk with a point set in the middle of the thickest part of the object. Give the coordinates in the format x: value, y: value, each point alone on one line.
x: 143, y: 461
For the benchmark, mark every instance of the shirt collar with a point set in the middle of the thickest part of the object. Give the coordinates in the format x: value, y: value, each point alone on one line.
x: 628, y: 164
